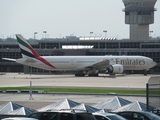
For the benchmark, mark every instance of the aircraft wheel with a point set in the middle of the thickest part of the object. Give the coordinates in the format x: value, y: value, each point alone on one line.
x: 145, y: 73
x: 96, y: 75
x: 93, y: 75
x: 79, y: 75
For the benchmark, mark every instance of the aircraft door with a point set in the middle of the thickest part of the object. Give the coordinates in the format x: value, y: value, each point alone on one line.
x: 72, y: 61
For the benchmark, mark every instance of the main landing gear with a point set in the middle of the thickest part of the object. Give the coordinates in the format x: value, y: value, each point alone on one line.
x: 93, y: 75
x: 81, y: 74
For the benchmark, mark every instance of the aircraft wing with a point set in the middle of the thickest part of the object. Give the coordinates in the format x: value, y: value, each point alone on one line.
x: 9, y: 59
x: 99, y: 65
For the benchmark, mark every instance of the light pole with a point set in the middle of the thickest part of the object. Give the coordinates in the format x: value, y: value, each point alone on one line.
x: 45, y: 32
x: 91, y: 34
x: 150, y: 32
x: 105, y: 31
x: 60, y: 35
x: 35, y: 34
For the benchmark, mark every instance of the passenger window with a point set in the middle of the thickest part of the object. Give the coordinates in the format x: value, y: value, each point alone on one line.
x: 100, y: 117
x: 137, y: 116
x: 66, y: 116
x: 126, y: 115
x: 85, y: 116
x: 52, y: 116
x: 49, y: 116
x: 34, y: 115
x: 44, y: 116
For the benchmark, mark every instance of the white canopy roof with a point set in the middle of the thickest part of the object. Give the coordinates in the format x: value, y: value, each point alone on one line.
x: 86, y: 107
x: 22, y: 111
x: 135, y: 106
x: 63, y: 104
x: 8, y: 107
x: 15, y: 109
x: 112, y: 103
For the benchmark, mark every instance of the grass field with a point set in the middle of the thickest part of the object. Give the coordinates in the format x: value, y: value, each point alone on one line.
x: 78, y: 90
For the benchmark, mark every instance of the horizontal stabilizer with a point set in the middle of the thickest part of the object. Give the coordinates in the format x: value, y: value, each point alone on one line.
x: 9, y: 59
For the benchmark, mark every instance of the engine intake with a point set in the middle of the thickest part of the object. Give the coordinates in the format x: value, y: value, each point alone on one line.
x: 115, y: 69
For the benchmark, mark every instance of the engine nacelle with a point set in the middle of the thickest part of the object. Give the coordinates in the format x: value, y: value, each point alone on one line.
x: 115, y: 69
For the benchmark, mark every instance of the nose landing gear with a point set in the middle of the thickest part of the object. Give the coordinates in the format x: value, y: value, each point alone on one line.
x: 145, y: 73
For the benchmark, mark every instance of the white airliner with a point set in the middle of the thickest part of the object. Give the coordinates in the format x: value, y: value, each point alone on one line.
x: 84, y: 65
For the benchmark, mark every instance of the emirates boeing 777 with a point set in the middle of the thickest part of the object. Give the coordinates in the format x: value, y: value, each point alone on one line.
x: 84, y: 65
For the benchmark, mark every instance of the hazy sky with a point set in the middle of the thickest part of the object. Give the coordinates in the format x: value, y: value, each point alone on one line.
x: 62, y: 18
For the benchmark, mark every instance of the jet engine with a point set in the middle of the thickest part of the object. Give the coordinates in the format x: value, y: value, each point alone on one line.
x: 115, y: 69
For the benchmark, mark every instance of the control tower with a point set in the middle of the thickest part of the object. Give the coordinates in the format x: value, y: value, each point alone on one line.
x: 139, y: 14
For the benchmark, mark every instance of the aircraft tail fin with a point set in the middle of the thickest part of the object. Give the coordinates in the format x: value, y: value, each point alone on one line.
x: 28, y: 52
x: 26, y: 48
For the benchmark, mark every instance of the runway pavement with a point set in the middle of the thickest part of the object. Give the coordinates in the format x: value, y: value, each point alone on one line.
x: 41, y: 100
x: 104, y: 81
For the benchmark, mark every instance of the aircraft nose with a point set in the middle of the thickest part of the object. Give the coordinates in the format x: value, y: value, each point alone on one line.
x: 154, y: 64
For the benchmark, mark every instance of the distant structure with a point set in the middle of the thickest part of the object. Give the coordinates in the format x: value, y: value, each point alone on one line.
x: 139, y: 14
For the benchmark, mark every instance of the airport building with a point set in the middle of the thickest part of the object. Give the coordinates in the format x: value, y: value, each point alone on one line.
x: 78, y: 46
x: 138, y: 13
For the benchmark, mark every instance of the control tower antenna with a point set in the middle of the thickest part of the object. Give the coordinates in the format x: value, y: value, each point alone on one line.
x: 139, y: 14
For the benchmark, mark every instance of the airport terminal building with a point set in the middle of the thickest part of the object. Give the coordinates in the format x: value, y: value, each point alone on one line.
x: 71, y: 46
